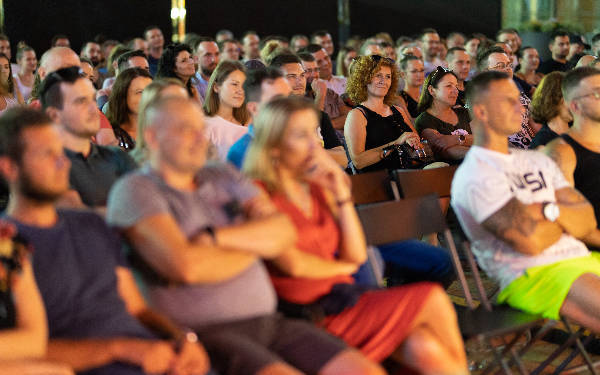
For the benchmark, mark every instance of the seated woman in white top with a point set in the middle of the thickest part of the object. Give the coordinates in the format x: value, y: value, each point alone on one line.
x: 10, y: 96
x: 225, y: 107
x: 27, y: 62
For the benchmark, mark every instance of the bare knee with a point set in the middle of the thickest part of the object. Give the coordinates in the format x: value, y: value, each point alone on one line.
x: 351, y: 362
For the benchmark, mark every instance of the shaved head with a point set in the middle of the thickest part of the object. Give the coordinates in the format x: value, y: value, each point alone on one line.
x: 57, y: 58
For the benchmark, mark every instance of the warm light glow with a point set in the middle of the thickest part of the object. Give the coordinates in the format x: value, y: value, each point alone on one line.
x: 178, y: 13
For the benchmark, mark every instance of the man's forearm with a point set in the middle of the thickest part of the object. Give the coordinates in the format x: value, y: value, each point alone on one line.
x: 82, y: 354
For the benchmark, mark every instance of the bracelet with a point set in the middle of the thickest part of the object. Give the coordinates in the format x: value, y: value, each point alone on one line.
x: 188, y: 336
x: 342, y: 202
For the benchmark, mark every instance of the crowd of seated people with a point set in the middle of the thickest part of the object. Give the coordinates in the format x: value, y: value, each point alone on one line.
x: 186, y: 208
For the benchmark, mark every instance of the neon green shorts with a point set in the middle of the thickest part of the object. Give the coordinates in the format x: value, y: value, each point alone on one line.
x: 543, y: 289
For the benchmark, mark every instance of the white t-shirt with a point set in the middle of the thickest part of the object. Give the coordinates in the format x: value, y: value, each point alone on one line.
x: 484, y: 183
x: 337, y: 84
x: 223, y: 134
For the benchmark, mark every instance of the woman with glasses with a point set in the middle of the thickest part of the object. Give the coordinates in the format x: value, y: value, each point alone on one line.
x: 445, y: 125
x: 412, y: 71
x: 177, y: 61
x: 376, y: 122
x: 225, y: 107
x: 123, y: 105
x: 10, y: 96
x: 414, y: 324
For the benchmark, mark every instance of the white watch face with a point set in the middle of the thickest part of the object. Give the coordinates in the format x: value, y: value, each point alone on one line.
x: 551, y: 211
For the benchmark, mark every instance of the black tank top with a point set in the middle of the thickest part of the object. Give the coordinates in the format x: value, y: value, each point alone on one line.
x: 382, y: 130
x: 411, y: 104
x: 587, y: 173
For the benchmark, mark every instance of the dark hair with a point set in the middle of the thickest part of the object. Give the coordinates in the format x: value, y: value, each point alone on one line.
x: 118, y: 111
x: 557, y: 33
x: 547, y: 98
x: 427, y: 30
x: 12, y: 124
x: 86, y: 44
x: 123, y: 60
x: 11, y: 83
x: 284, y: 58
x: 452, y: 50
x: 200, y: 39
x: 4, y: 37
x: 595, y: 38
x: 404, y: 62
x: 56, y: 37
x: 453, y: 33
x: 222, y: 43
x: 254, y: 80
x: 151, y: 27
x: 482, y: 57
x: 249, y: 32
x: 425, y: 99
x: 508, y: 30
x: 318, y: 33
x: 573, y: 78
x: 477, y: 86
x: 521, y: 51
x: 306, y: 56
x: 312, y: 48
x: 87, y: 61
x: 166, y: 63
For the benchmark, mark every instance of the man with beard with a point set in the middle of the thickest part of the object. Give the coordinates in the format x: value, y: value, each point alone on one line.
x: 577, y: 151
x: 431, y: 44
x: 559, y: 46
x: 207, y: 55
x: 156, y: 43
x: 293, y: 71
x: 92, y: 52
x: 325, y: 68
x: 460, y: 64
x: 68, y: 98
x: 97, y: 318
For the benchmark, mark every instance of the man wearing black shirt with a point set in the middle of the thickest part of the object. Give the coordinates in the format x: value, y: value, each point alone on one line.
x: 559, y: 46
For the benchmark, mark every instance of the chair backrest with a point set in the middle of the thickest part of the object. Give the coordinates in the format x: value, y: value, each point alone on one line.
x: 393, y: 221
x: 418, y: 182
x: 405, y: 219
x: 373, y: 187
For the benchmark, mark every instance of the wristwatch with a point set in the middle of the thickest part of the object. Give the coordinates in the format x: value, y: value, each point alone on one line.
x: 461, y: 139
x: 187, y: 335
x: 551, y: 211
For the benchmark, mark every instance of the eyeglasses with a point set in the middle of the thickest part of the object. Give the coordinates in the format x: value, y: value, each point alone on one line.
x: 595, y: 94
x: 377, y: 58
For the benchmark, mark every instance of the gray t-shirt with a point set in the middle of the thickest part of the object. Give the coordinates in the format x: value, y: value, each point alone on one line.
x: 216, y: 202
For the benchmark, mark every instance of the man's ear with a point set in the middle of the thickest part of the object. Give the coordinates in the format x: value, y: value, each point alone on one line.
x: 479, y: 112
x: 150, y: 136
x: 8, y: 169
x: 52, y: 112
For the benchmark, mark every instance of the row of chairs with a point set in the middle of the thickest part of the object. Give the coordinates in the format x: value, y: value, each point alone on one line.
x: 406, y: 204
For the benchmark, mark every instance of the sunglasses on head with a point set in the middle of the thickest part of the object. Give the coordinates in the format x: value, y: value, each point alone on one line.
x: 377, y: 58
x: 437, y: 74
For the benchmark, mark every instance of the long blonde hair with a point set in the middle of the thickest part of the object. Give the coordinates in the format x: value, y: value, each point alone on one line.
x: 151, y: 93
x: 269, y: 128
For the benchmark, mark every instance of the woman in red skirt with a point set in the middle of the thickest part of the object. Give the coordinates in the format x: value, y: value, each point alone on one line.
x: 414, y: 324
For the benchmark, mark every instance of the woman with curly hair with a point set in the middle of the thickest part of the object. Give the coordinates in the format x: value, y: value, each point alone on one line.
x: 177, y: 61
x: 375, y: 123
x: 549, y: 109
x: 123, y: 105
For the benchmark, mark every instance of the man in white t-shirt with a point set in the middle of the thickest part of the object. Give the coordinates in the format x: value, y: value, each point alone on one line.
x: 521, y: 215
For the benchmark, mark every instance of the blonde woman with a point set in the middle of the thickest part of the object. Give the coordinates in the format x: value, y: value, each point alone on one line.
x: 414, y: 324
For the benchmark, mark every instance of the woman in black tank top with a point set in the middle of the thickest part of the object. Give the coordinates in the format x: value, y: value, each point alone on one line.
x: 375, y: 123
x: 413, y: 73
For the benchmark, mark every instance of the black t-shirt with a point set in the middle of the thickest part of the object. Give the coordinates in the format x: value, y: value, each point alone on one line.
x: 93, y: 176
x: 543, y: 137
x: 427, y: 121
x: 330, y: 139
x: 552, y: 65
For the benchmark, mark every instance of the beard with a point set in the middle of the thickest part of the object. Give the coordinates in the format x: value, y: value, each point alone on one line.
x: 33, y: 191
x: 207, y: 71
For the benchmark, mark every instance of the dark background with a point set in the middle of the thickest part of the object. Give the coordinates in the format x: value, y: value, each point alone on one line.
x: 36, y: 21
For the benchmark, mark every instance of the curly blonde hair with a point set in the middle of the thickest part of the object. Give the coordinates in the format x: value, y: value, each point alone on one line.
x: 362, y: 71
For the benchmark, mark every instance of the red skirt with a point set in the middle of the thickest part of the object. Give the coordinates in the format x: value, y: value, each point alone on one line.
x: 380, y: 320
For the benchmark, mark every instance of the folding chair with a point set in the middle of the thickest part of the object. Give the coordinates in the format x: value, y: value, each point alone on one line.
x: 413, y: 218
x: 373, y: 187
x: 414, y: 183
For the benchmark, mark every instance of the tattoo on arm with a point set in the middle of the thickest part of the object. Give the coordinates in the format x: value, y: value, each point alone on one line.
x: 510, y: 218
